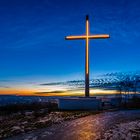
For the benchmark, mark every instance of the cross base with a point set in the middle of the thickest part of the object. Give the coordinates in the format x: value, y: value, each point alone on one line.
x: 79, y: 103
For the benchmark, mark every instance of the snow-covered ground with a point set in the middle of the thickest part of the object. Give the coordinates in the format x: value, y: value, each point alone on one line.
x: 18, y: 123
x: 103, y: 126
x: 123, y: 131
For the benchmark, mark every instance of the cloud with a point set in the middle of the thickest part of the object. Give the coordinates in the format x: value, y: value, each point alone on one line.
x: 2, y: 86
x: 47, y: 92
x: 106, y: 81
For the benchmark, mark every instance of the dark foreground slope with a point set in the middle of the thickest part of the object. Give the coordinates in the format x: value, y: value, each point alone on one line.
x: 93, y: 127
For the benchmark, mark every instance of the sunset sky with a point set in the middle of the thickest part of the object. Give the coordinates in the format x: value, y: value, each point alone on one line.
x: 36, y: 59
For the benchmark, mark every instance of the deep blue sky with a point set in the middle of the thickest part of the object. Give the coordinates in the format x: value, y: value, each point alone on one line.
x: 32, y: 44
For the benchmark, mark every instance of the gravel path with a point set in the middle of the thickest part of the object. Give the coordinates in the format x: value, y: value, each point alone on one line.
x: 86, y: 128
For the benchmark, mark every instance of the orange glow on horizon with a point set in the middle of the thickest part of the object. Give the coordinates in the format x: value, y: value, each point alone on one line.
x: 15, y: 92
x: 24, y: 92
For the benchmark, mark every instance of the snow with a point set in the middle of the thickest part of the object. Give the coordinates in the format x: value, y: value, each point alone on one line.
x: 124, y: 131
x: 18, y: 123
x: 118, y: 125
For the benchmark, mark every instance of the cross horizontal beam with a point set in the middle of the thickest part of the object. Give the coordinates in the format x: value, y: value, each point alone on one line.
x: 102, y: 36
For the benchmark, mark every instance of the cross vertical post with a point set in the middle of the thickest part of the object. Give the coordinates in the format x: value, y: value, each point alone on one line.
x: 87, y: 37
x: 87, y: 59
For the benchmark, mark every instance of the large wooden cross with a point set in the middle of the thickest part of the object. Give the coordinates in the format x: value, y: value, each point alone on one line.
x: 87, y: 36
